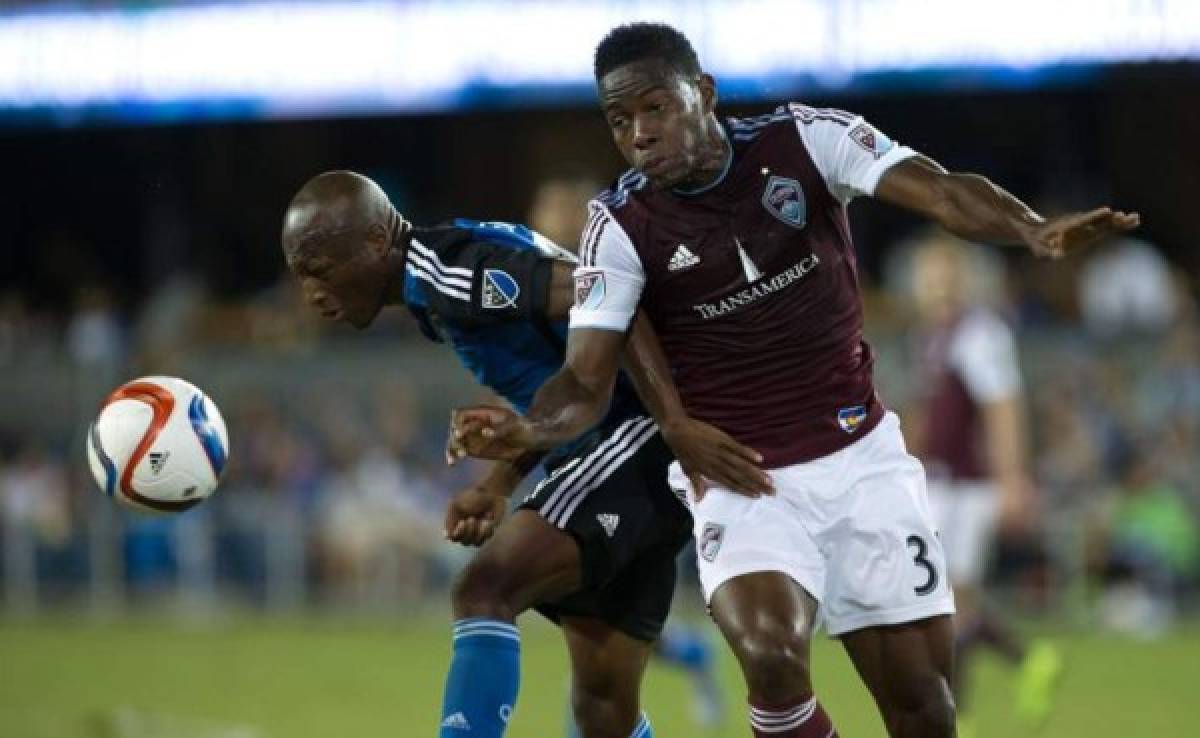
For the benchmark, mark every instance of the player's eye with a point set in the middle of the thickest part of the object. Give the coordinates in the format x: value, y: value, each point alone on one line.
x: 617, y: 122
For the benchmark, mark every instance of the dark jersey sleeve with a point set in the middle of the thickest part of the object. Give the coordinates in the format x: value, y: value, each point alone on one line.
x: 471, y: 283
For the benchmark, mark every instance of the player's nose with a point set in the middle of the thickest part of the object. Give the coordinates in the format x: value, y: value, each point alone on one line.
x: 645, y: 134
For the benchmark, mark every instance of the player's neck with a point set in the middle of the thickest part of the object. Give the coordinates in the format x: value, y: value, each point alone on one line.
x: 396, y: 259
x: 715, y: 159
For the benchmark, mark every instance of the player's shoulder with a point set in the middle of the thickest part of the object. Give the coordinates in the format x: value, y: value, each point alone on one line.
x: 982, y: 326
x: 617, y: 196
x: 787, y: 117
x: 462, y: 234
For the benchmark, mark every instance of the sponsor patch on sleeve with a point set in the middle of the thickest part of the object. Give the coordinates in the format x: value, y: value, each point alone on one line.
x: 870, y: 139
x: 589, y: 290
x: 499, y: 291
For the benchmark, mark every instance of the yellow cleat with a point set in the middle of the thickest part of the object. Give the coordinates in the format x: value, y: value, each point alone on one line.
x: 1037, y: 683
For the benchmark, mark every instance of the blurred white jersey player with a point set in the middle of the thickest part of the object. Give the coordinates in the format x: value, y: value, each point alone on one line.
x: 970, y: 432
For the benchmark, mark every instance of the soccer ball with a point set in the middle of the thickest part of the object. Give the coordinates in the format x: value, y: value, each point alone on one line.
x: 159, y: 444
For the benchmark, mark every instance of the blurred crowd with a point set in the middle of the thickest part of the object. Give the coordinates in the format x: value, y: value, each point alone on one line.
x: 336, y: 485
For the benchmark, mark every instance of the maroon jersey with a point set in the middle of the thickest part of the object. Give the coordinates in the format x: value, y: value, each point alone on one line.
x: 752, y: 283
x: 964, y: 365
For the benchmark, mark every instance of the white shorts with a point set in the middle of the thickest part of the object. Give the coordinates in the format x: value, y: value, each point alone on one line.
x: 965, y: 513
x: 852, y: 528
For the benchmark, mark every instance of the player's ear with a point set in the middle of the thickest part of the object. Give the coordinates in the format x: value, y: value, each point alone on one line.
x: 708, y: 92
x: 377, y: 240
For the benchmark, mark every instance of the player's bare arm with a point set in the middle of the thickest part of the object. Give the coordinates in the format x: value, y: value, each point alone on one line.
x: 569, y: 403
x: 562, y: 290
x: 974, y: 208
x: 1005, y: 440
x: 703, y: 450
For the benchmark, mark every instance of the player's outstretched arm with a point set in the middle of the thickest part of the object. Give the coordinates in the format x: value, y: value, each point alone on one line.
x: 569, y: 403
x: 971, y: 206
x: 704, y: 451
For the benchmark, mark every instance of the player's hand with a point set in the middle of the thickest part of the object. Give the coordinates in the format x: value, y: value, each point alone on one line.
x: 707, y: 453
x: 473, y: 514
x: 487, y: 432
x: 1054, y: 238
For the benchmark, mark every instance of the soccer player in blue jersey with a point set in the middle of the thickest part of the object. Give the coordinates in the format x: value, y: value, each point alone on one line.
x: 593, y: 547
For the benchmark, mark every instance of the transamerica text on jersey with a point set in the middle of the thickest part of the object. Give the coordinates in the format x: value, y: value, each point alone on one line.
x: 759, y: 290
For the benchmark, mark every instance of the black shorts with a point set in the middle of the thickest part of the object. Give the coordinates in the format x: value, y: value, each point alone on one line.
x: 612, y: 496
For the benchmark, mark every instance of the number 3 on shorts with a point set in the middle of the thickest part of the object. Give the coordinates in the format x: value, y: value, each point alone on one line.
x: 919, y: 559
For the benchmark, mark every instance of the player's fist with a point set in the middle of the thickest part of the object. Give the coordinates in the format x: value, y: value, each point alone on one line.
x: 1056, y: 237
x: 487, y: 432
x: 473, y: 514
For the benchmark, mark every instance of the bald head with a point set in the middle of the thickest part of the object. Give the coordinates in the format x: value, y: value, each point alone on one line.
x: 333, y: 215
x: 339, y: 235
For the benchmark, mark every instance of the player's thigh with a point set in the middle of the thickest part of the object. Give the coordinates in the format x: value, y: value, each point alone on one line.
x: 886, y: 563
x: 526, y: 561
x: 607, y: 666
x: 906, y: 667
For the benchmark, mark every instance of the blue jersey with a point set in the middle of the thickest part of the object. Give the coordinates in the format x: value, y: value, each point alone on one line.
x: 483, y: 288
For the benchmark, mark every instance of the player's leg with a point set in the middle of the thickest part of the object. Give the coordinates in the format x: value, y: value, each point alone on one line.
x: 526, y: 561
x: 907, y: 668
x: 630, y: 528
x: 888, y: 597
x: 1039, y: 665
x: 758, y: 566
x: 607, y: 667
x: 767, y: 619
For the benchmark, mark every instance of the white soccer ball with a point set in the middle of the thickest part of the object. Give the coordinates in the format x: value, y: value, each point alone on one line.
x: 159, y: 444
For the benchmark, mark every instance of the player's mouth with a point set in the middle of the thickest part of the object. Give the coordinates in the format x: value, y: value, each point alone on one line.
x: 334, y: 315
x: 656, y: 167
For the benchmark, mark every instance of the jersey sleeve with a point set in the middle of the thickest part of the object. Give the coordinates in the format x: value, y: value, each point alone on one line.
x: 984, y: 354
x: 610, y: 277
x: 470, y: 283
x: 851, y: 154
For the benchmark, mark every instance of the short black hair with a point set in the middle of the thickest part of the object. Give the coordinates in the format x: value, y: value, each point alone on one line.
x: 639, y: 41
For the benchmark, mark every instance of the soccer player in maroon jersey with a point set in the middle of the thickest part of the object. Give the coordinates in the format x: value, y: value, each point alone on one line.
x: 969, y: 431
x: 732, y: 237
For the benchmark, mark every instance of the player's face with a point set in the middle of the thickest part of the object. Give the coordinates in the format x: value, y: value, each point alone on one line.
x: 657, y: 119
x: 938, y: 283
x: 349, y: 290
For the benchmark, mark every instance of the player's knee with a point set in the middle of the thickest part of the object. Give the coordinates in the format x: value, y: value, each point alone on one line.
x: 925, y: 708
x: 774, y: 658
x: 483, y: 590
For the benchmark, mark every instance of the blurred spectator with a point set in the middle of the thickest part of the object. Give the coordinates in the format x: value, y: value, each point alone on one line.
x: 34, y: 492
x: 559, y: 209
x: 1146, y: 548
x: 1126, y: 285
x: 94, y: 333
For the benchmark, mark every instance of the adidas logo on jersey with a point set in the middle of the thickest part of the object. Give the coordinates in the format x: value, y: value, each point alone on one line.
x: 457, y: 721
x: 157, y: 460
x: 682, y: 259
x: 609, y: 522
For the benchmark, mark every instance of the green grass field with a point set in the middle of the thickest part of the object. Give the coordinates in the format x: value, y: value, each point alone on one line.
x: 339, y: 679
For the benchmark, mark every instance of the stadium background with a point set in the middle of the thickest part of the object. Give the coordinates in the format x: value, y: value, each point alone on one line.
x: 139, y: 234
